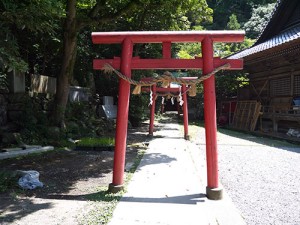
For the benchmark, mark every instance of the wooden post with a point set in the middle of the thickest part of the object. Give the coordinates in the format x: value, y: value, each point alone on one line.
x: 185, y: 113
x: 166, y: 48
x: 213, y: 190
x: 122, y: 118
x: 152, y: 110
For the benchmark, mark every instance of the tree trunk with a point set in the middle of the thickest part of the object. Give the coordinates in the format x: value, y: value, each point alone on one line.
x: 70, y: 31
x: 68, y: 60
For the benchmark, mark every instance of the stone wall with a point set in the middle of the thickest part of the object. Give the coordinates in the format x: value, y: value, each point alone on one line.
x: 13, y: 108
x: 3, y: 109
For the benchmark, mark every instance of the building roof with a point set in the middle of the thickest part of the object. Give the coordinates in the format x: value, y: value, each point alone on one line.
x: 283, y: 27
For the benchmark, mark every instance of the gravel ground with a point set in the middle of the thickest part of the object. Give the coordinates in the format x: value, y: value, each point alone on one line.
x: 261, y: 175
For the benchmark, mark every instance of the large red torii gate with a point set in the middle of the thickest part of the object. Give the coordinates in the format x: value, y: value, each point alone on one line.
x: 207, y: 63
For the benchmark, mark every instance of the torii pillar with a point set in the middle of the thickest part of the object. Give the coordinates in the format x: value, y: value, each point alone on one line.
x: 210, y: 118
x: 152, y: 110
x: 185, y: 113
x: 122, y: 117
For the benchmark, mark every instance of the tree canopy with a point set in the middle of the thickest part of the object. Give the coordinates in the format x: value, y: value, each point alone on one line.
x: 52, y: 37
x: 259, y: 18
x: 223, y: 9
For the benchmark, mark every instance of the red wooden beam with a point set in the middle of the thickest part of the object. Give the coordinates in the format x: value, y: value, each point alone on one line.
x: 167, y: 36
x: 150, y: 64
x: 163, y: 90
x: 184, y: 78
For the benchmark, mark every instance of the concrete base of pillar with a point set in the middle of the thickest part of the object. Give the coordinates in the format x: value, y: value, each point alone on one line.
x: 187, y: 137
x: 115, y: 188
x: 214, y: 193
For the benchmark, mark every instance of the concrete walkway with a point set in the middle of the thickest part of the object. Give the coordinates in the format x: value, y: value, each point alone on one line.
x: 168, y: 187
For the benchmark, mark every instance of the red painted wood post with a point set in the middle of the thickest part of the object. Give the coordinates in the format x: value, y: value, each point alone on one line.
x: 152, y: 110
x: 213, y: 190
x: 122, y: 118
x: 166, y: 48
x: 185, y: 112
x: 178, y: 109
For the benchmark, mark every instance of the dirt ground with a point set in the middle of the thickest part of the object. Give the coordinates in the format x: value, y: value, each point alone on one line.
x: 66, y: 175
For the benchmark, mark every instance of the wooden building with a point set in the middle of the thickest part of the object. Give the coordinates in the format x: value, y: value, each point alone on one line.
x: 273, y: 65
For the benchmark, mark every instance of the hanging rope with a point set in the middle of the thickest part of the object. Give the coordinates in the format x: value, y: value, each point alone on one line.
x: 165, y: 79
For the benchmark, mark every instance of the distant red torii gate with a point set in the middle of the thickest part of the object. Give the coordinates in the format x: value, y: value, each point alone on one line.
x: 207, y: 63
x: 171, y: 90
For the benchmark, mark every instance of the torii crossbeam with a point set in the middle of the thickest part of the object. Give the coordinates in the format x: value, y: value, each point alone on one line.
x: 207, y: 63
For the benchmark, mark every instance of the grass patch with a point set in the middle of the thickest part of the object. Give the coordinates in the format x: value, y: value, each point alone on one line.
x: 104, y: 203
x: 96, y: 142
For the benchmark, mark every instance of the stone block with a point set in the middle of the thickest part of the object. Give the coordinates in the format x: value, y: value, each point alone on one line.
x: 109, y: 111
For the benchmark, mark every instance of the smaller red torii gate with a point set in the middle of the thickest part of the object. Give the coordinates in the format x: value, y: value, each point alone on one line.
x: 207, y: 63
x: 169, y: 90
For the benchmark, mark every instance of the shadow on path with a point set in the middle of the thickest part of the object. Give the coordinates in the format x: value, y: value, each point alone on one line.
x: 184, y: 199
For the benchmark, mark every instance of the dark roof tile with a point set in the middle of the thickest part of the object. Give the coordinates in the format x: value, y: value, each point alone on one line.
x: 284, y: 37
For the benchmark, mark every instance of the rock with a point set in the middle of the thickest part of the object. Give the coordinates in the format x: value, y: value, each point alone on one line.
x: 54, y: 133
x: 11, y: 138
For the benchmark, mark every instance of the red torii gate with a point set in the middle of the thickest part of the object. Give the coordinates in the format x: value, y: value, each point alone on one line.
x: 170, y: 90
x: 207, y: 63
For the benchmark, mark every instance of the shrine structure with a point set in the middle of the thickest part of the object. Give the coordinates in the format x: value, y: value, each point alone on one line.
x: 207, y: 63
x: 181, y: 97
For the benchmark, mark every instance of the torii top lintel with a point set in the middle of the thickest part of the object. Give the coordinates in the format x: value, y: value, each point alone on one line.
x: 166, y: 36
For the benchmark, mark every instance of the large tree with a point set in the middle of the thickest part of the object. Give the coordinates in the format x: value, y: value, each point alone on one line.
x: 79, y: 15
x: 105, y: 14
x: 35, y: 33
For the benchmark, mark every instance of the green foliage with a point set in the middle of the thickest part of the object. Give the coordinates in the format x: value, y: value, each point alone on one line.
x: 233, y: 23
x: 259, y: 18
x: 34, y: 122
x: 166, y: 15
x: 138, y: 109
x: 223, y: 49
x: 81, y: 121
x: 20, y: 20
x: 8, y: 181
x: 224, y: 9
x: 3, y: 81
x: 9, y: 52
x: 189, y: 51
x: 226, y: 82
x: 32, y: 40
